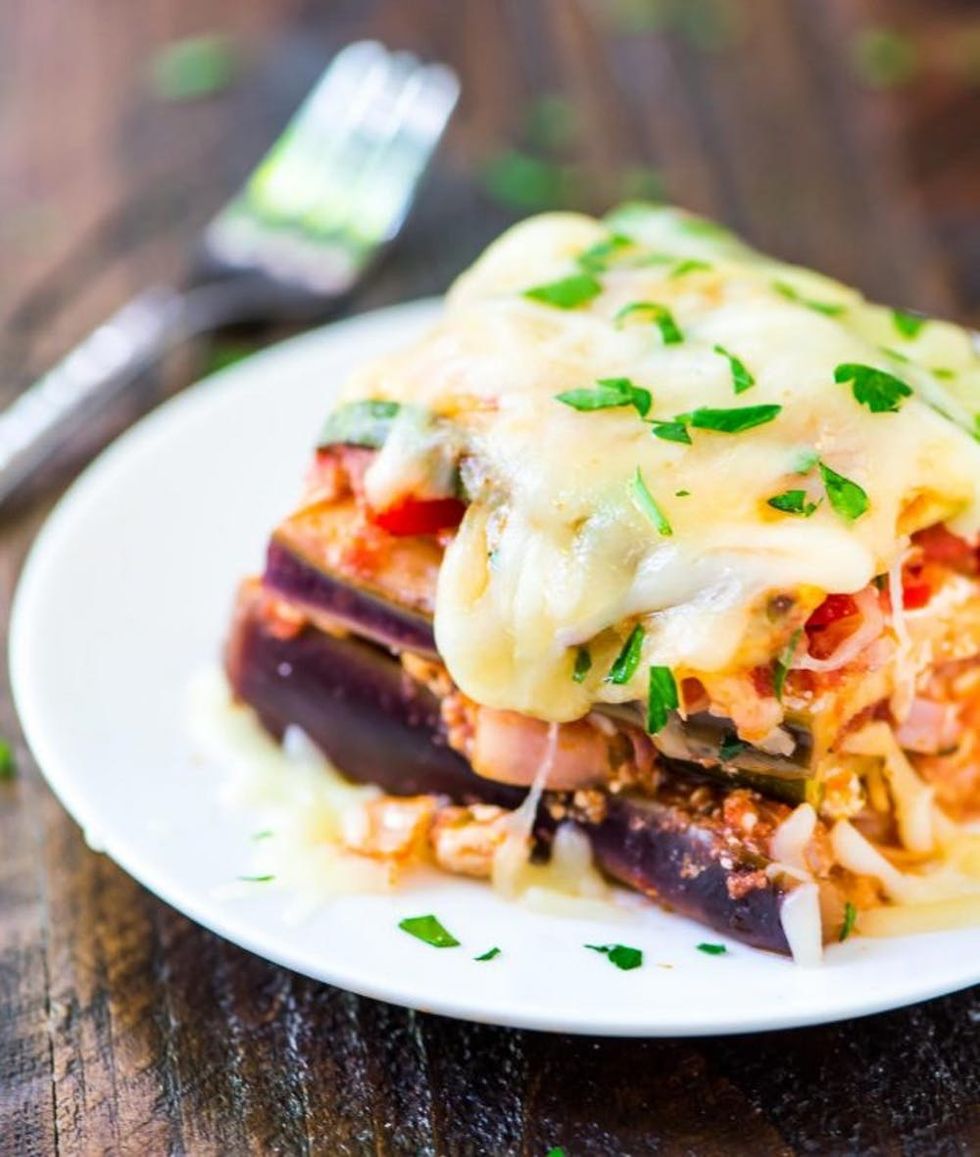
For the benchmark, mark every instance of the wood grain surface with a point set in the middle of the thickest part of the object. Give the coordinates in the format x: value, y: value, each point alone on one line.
x: 841, y: 133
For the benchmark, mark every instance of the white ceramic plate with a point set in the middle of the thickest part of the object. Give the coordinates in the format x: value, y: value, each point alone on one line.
x: 126, y: 596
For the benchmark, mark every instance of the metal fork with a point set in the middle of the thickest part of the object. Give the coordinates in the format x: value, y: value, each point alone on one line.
x: 330, y: 194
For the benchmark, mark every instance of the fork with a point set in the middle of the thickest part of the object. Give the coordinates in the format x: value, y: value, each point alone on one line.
x: 320, y: 207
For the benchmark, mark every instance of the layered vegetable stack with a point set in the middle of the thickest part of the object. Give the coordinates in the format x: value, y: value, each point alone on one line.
x: 657, y: 540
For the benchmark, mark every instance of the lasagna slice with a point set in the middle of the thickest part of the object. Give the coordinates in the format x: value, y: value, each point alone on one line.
x: 661, y: 542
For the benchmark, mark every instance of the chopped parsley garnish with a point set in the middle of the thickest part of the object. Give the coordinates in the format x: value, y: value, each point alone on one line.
x: 730, y: 421
x: 263, y: 835
x: 792, y: 502
x: 658, y: 315
x: 780, y: 668
x: 490, y: 954
x: 712, y: 949
x: 891, y: 353
x: 662, y: 698
x: 731, y: 746
x: 644, y: 501
x: 583, y: 665
x: 621, y: 955
x: 256, y: 879
x: 741, y: 378
x: 690, y: 265
x: 8, y: 768
x: 628, y: 658
x: 682, y: 493
x: 944, y: 373
x: 598, y: 257
x: 702, y: 227
x: 606, y: 394
x: 877, y: 389
x: 908, y: 324
x: 850, y: 918
x: 556, y: 1151
x: 670, y: 431
x: 429, y: 930
x: 846, y: 497
x: 828, y: 308
x: 567, y: 293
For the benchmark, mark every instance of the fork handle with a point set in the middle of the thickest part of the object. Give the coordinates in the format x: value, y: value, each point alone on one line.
x: 105, y: 362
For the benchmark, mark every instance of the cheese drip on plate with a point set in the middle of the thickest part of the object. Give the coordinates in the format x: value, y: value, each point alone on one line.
x: 556, y: 551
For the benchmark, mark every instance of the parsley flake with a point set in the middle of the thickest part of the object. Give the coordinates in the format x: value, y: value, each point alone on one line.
x: 583, y: 665
x: 606, y: 394
x: 598, y: 257
x: 827, y: 308
x: 662, y: 698
x: 628, y: 658
x: 850, y: 918
x: 490, y: 954
x: 690, y: 265
x: 741, y: 378
x: 730, y: 421
x: 846, y: 497
x: 429, y: 930
x: 730, y: 747
x: 621, y: 955
x: 256, y: 879
x: 712, y: 949
x: 907, y: 323
x: 877, y: 389
x: 670, y: 431
x: 263, y: 835
x: 8, y: 768
x: 556, y: 1151
x: 682, y: 493
x: 644, y: 501
x: 566, y: 293
x: 658, y: 315
x: 792, y: 502
x: 780, y: 668
x: 944, y: 373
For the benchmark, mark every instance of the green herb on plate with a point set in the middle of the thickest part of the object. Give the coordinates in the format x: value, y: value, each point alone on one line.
x: 730, y: 421
x: 662, y: 698
x: 742, y: 380
x: 644, y: 501
x: 566, y: 293
x: 710, y: 949
x: 793, y: 502
x: 654, y: 313
x: 607, y: 394
x: 429, y: 930
x: 583, y: 665
x: 621, y: 955
x: 628, y: 659
x: 847, y: 498
x: 490, y: 954
x: 878, y: 390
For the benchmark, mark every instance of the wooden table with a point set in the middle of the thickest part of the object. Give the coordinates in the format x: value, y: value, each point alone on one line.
x: 124, y: 1027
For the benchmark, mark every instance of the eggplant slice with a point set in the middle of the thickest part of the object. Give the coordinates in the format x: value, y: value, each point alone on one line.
x: 377, y: 725
x: 371, y: 615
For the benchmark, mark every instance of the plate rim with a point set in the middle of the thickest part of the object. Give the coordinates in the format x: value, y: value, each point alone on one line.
x: 197, y: 907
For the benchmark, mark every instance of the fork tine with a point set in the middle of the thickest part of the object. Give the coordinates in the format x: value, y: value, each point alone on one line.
x: 338, y: 182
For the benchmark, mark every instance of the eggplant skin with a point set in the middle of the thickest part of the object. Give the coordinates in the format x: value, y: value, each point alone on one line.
x: 377, y: 725
x: 682, y: 861
x: 356, y: 703
x: 369, y: 615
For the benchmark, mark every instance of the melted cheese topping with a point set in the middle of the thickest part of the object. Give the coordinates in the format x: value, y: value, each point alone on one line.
x: 553, y: 552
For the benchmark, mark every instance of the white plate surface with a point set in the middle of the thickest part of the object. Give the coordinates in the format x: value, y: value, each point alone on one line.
x: 126, y: 596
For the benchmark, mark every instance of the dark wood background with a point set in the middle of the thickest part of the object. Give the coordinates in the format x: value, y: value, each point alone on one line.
x: 842, y: 133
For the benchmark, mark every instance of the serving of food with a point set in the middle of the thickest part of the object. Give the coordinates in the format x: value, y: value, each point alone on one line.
x: 654, y: 556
